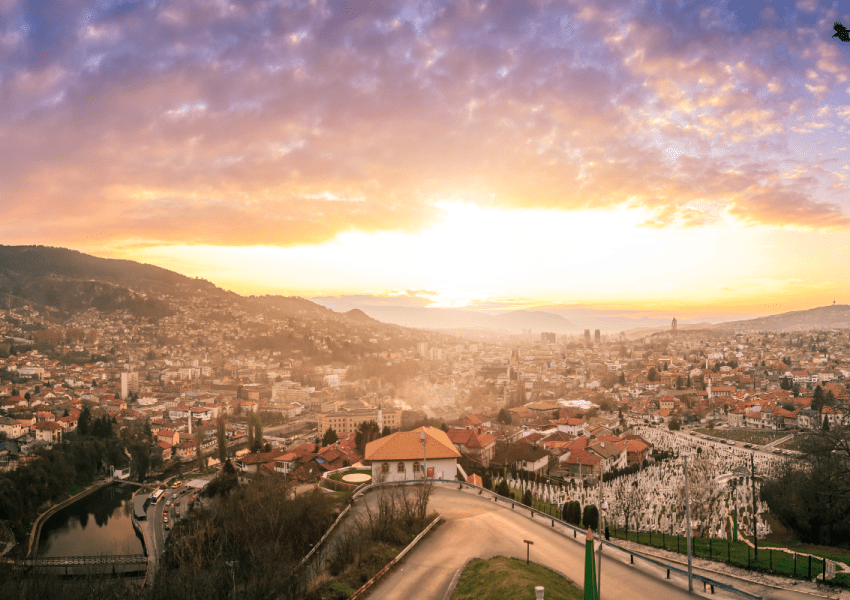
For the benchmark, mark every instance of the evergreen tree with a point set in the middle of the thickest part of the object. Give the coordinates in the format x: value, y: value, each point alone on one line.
x: 590, y: 516
x: 84, y: 422
x: 367, y: 431
x: 330, y: 437
x: 221, y: 438
x: 818, y: 399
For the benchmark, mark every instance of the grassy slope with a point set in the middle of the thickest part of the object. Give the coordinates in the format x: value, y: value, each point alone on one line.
x: 500, y: 578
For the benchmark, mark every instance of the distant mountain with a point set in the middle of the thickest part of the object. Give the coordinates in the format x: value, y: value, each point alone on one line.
x: 536, y: 320
x: 447, y: 319
x: 355, y: 314
x: 836, y: 316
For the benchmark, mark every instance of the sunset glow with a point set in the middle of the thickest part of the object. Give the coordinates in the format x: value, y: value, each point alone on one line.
x: 650, y: 156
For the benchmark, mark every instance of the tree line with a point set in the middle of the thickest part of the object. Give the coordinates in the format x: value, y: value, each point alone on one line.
x: 51, y: 474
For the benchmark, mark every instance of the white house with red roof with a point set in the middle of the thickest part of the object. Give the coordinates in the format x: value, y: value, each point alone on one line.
x: 402, y: 456
x: 573, y: 426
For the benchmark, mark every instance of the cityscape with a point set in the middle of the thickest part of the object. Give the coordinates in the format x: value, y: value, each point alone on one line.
x: 433, y: 299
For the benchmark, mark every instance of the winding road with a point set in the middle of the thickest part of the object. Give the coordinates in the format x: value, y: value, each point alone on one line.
x: 477, y: 527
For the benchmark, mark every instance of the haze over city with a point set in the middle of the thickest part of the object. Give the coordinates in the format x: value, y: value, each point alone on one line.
x: 647, y: 158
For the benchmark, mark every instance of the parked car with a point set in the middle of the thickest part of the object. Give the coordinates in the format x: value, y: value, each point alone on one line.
x: 176, y: 484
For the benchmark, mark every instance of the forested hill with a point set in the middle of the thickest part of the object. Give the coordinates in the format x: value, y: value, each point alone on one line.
x: 836, y: 316
x: 61, y: 283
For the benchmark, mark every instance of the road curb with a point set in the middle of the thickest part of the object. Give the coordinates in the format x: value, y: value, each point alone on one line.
x: 455, y: 578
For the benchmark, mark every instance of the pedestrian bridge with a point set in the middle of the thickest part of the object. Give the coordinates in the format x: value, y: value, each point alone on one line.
x: 119, y: 564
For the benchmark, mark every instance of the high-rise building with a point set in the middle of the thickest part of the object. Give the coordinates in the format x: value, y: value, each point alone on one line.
x: 548, y: 337
x: 129, y: 383
x: 597, y: 337
x: 673, y: 326
x: 587, y: 337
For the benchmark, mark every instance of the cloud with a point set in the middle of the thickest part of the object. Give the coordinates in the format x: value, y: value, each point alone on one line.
x: 288, y: 123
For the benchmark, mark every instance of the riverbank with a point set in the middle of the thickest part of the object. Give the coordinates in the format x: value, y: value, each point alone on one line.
x: 35, y: 533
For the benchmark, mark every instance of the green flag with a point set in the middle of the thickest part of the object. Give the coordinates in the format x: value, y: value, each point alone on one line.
x: 589, y: 570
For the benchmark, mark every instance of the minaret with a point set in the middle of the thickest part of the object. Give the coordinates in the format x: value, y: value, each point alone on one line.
x: 380, y: 419
x: 190, y: 421
x: 709, y: 388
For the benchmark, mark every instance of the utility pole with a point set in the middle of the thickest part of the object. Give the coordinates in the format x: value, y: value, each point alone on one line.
x: 688, y: 527
x: 424, y: 453
x: 601, y: 544
x: 755, y: 514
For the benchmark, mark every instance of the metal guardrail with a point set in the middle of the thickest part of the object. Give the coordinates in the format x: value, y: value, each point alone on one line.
x: 377, y: 577
x: 69, y: 561
x: 324, y: 537
x: 707, y: 581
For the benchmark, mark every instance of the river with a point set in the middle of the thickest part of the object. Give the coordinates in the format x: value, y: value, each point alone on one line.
x: 98, y: 524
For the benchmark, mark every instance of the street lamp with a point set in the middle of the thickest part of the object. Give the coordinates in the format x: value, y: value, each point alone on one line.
x: 603, y: 511
x: 424, y: 453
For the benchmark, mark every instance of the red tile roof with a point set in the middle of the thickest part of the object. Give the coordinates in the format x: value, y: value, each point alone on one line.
x: 406, y: 445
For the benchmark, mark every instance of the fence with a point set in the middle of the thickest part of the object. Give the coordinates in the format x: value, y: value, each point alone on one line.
x: 737, y: 554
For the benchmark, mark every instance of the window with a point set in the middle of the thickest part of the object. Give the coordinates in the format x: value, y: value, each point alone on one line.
x: 400, y: 467
x: 416, y: 469
x: 385, y: 468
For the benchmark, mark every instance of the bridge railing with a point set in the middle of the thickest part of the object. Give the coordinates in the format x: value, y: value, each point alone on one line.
x: 63, y: 561
x: 707, y: 581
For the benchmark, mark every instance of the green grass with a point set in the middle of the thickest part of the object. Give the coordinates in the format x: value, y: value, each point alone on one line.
x: 735, y: 553
x: 339, y: 476
x: 339, y: 499
x: 500, y: 578
x: 749, y: 437
x: 828, y: 552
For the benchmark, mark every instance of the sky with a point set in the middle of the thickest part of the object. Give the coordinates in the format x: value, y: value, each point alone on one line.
x: 647, y: 156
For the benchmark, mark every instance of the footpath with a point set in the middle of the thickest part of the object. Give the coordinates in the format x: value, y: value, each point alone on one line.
x: 32, y: 547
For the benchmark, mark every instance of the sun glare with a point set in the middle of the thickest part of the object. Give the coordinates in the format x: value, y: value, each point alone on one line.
x: 475, y: 253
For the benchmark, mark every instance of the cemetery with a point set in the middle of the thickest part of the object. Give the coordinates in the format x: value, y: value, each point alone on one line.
x: 648, y: 506
x: 748, y: 436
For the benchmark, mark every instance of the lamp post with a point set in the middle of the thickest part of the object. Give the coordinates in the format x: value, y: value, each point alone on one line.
x: 603, y: 511
x: 688, y: 526
x: 424, y: 454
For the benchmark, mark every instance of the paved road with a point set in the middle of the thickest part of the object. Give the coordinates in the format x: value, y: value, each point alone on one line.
x: 155, y: 524
x: 477, y: 528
